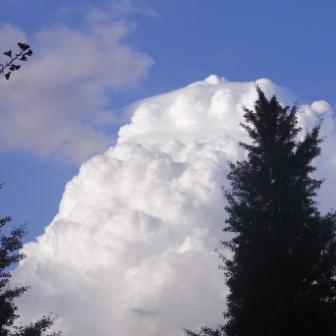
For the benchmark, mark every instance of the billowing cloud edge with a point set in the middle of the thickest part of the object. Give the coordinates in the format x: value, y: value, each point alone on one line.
x: 132, y: 248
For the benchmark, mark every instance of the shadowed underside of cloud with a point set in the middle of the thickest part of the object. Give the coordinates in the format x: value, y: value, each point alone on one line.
x: 56, y: 105
x: 131, y: 250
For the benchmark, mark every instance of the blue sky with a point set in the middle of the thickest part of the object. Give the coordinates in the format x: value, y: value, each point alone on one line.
x: 181, y: 41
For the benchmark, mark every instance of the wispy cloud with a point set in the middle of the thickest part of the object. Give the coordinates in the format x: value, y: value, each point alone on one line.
x: 57, y: 104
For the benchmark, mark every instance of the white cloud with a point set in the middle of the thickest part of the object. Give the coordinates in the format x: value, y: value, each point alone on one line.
x: 309, y: 116
x: 56, y: 105
x: 8, y: 33
x: 131, y: 250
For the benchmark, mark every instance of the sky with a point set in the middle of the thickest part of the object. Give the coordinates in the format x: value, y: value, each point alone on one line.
x: 182, y: 42
x: 95, y: 65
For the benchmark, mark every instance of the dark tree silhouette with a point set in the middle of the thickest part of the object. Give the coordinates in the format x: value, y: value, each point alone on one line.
x: 22, y: 55
x: 10, y: 254
x: 282, y: 276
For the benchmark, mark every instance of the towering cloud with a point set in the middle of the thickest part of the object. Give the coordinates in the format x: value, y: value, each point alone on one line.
x: 132, y: 248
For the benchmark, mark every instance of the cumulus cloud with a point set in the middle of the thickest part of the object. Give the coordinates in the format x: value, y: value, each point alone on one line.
x: 57, y: 104
x: 309, y: 116
x: 132, y: 248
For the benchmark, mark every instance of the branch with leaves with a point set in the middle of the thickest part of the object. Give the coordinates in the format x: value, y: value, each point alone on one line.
x: 23, y: 54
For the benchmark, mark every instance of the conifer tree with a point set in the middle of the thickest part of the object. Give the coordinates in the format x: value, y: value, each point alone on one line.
x: 282, y: 276
x: 10, y: 254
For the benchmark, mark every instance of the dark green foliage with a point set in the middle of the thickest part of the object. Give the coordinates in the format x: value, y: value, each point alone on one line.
x: 282, y: 276
x: 10, y: 244
x: 10, y: 254
x: 205, y: 331
x: 37, y: 329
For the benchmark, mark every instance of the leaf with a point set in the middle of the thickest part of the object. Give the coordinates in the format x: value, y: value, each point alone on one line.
x: 23, y: 58
x: 8, y: 53
x: 7, y: 75
x: 14, y: 67
x: 23, y: 46
x: 29, y: 52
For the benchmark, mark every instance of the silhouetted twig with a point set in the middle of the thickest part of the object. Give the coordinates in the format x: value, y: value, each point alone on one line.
x: 9, y: 67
